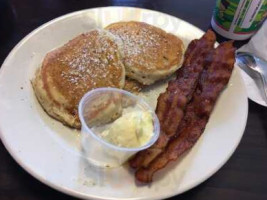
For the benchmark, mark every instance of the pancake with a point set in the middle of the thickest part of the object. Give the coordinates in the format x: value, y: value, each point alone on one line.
x: 133, y: 86
x: 150, y: 54
x: 89, y: 61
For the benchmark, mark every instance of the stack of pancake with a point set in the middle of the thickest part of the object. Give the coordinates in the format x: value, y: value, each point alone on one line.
x: 127, y: 55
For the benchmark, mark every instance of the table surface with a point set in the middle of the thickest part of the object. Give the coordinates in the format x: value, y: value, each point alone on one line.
x: 244, y: 176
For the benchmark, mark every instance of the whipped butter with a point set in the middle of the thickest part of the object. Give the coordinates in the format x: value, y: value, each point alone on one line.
x: 133, y: 129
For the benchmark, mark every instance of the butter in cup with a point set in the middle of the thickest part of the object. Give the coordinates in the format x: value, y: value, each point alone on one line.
x: 108, y: 115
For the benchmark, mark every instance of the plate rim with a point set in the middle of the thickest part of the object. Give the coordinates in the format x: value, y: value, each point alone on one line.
x: 76, y: 193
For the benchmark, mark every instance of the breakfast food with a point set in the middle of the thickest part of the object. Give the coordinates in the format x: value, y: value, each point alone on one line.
x: 150, y: 54
x: 183, y: 120
x: 213, y: 80
x: 172, y: 103
x: 133, y: 86
x: 96, y: 59
x: 132, y: 129
x: 132, y: 55
x: 89, y: 61
x: 113, y: 143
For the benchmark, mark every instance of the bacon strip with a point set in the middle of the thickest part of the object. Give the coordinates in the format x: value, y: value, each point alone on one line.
x: 213, y: 80
x: 172, y: 103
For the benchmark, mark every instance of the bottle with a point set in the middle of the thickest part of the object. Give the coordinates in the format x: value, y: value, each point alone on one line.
x: 238, y: 19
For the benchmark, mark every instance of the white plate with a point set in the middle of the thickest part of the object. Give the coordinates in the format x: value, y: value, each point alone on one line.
x: 51, y: 152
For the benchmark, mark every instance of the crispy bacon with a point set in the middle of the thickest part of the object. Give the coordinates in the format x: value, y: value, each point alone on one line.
x: 213, y: 80
x: 172, y: 103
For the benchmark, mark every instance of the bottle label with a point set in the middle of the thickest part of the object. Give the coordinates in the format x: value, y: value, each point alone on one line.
x: 240, y: 16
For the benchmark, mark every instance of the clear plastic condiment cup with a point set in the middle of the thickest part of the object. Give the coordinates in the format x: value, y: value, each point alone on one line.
x: 98, y: 109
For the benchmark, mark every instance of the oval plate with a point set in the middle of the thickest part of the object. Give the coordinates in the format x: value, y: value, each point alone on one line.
x: 51, y: 152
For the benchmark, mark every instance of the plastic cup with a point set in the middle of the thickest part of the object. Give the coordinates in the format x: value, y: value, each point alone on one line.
x: 98, y: 109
